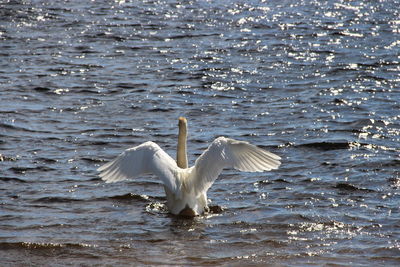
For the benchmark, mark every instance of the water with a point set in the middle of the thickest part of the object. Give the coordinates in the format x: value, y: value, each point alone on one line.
x: 316, y: 82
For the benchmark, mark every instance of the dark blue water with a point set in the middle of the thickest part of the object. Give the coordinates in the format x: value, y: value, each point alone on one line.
x: 316, y: 82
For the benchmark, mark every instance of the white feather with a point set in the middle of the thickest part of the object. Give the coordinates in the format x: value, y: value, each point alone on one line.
x: 188, y: 187
x: 145, y: 158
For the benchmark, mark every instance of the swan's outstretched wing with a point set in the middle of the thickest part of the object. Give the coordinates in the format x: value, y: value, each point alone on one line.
x: 145, y: 158
x: 230, y: 153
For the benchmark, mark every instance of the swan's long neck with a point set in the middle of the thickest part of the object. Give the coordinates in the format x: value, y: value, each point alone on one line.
x: 181, y: 156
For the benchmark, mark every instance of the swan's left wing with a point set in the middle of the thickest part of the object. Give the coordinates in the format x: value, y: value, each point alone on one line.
x: 145, y: 158
x: 229, y: 153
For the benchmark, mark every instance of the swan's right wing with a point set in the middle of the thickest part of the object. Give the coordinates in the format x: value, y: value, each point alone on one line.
x: 145, y: 158
x: 230, y: 153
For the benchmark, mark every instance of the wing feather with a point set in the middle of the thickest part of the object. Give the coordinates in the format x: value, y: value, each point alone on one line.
x: 145, y: 158
x: 263, y: 161
x: 229, y: 153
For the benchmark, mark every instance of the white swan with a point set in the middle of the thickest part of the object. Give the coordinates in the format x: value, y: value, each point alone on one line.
x: 186, y: 188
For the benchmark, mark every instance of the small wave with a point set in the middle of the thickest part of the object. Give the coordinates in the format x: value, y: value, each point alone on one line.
x: 130, y: 196
x: 105, y: 35
x: 394, y: 182
x: 128, y: 85
x: 9, y: 126
x: 86, y: 49
x: 391, y: 163
x: 47, y: 160
x: 93, y: 143
x: 6, y: 158
x: 124, y: 197
x: 268, y: 182
x: 159, y: 110
x: 326, y: 145
x: 39, y: 246
x: 184, y: 36
x: 350, y: 187
x: 21, y: 170
x: 42, y: 89
x: 12, y: 179
x: 92, y: 160
x: 20, y: 128
x: 280, y: 180
x: 55, y: 200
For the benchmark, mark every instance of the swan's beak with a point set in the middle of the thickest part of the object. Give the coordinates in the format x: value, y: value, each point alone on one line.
x: 182, y: 124
x: 182, y: 120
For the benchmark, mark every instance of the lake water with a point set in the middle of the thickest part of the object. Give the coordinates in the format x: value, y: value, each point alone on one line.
x: 316, y: 82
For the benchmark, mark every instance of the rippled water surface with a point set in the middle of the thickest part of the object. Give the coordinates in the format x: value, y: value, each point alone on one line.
x: 316, y: 82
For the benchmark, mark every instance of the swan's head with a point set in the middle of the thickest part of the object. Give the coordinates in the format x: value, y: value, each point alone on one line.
x: 182, y: 125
